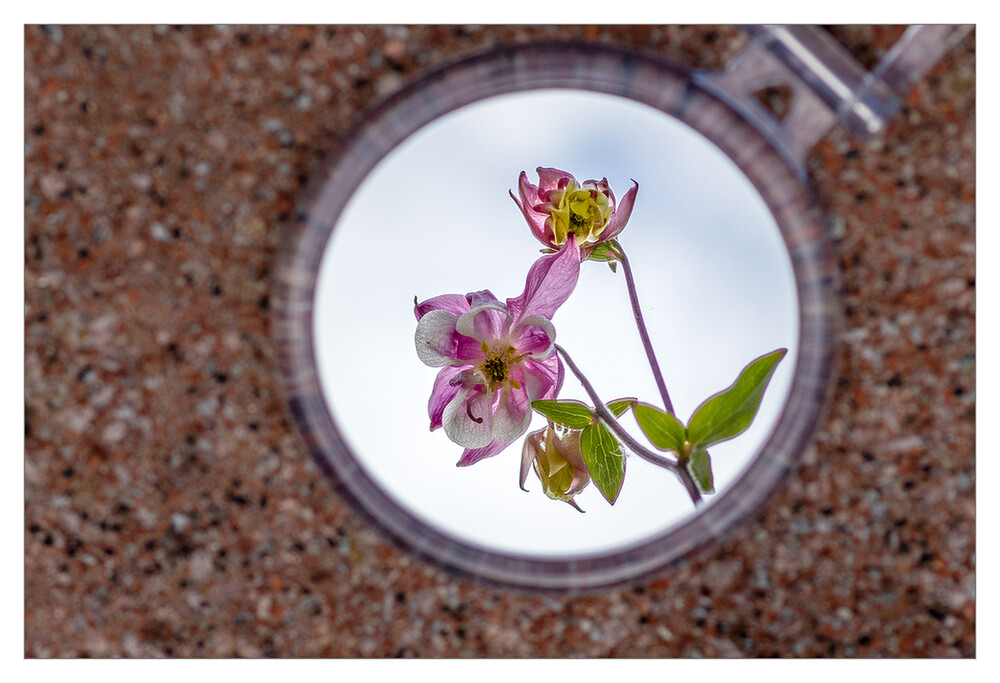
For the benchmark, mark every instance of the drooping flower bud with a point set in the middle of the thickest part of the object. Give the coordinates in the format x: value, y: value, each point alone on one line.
x: 558, y: 462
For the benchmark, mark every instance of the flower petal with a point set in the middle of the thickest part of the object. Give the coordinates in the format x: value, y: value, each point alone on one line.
x: 467, y: 419
x: 530, y: 451
x: 622, y: 213
x: 486, y: 321
x: 513, y: 413
x: 436, y: 339
x: 453, y: 303
x: 473, y: 455
x: 543, y: 378
x: 550, y: 281
x: 534, y: 336
x: 569, y: 447
x: 443, y: 393
x: 535, y: 219
x: 527, y: 189
x: 551, y: 178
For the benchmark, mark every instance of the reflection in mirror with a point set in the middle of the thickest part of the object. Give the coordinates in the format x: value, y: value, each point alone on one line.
x: 435, y: 217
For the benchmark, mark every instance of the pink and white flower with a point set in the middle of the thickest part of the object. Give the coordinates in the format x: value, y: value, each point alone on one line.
x: 496, y: 358
x: 559, y: 206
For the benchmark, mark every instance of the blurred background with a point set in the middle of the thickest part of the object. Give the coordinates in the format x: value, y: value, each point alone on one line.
x: 170, y: 510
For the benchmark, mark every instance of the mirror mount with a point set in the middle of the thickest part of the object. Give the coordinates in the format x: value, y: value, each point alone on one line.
x: 828, y: 86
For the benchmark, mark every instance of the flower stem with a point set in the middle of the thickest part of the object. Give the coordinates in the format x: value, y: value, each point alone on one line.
x: 633, y: 296
x: 608, y: 418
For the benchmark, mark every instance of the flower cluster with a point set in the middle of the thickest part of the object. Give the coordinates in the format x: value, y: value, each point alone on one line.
x: 499, y: 362
x: 496, y: 358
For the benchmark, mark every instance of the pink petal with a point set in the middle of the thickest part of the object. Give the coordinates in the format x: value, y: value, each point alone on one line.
x: 543, y: 378
x: 528, y: 191
x: 536, y: 221
x: 534, y: 336
x: 486, y: 321
x: 473, y: 455
x: 550, y: 281
x: 552, y: 178
x: 622, y: 213
x: 530, y: 451
x: 442, y: 393
x: 453, y: 303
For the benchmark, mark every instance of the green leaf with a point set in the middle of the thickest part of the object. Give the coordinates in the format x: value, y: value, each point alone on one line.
x: 730, y: 412
x: 662, y: 429
x: 572, y: 414
x: 700, y: 467
x: 604, y: 459
x: 620, y: 406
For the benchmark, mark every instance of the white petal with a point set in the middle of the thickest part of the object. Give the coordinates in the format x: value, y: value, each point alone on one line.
x: 435, y: 337
x: 460, y: 427
x: 509, y: 422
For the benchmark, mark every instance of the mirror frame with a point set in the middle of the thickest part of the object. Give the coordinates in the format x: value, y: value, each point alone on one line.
x: 564, y: 65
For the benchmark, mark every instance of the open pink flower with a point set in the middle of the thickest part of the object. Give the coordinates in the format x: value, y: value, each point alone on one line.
x: 496, y: 358
x: 559, y: 206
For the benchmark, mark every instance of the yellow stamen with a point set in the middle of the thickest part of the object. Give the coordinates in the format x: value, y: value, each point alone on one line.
x: 583, y: 211
x: 496, y: 366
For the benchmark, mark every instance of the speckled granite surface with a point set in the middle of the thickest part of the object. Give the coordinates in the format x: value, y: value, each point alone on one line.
x: 170, y: 511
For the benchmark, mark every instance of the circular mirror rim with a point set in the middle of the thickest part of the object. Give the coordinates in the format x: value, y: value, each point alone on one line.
x: 598, y: 68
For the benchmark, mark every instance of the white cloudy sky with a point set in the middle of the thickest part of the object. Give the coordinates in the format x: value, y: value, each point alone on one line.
x: 435, y: 217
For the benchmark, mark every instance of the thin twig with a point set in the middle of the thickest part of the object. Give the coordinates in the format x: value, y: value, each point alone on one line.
x: 614, y: 426
x: 641, y: 324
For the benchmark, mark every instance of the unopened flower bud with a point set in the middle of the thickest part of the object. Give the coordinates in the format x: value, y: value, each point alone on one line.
x: 558, y: 461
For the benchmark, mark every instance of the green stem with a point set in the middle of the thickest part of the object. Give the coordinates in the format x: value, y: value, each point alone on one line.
x: 609, y: 419
x: 633, y: 296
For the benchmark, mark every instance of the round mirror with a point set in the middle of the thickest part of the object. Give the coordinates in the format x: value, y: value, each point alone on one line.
x: 723, y: 273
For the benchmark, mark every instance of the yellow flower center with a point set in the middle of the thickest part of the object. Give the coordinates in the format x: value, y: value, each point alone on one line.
x: 583, y: 211
x: 496, y: 365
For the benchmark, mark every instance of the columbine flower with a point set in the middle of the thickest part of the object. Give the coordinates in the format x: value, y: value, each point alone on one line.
x: 496, y: 358
x: 558, y: 461
x: 559, y: 205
